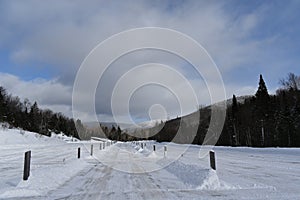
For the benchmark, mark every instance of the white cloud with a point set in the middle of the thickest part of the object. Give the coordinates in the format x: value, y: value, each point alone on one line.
x: 45, y: 92
x: 57, y: 97
x: 62, y: 33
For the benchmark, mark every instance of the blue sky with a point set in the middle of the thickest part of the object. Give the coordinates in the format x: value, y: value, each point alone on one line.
x: 43, y: 44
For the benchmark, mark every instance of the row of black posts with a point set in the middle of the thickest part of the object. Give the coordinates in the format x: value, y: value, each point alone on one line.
x: 102, y: 146
x: 27, y: 158
x: 212, y: 157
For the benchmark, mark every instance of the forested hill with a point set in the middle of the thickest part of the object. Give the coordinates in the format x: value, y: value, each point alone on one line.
x: 28, y: 116
x: 262, y: 120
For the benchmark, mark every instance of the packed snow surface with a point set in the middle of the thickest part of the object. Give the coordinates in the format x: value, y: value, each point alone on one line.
x: 128, y: 171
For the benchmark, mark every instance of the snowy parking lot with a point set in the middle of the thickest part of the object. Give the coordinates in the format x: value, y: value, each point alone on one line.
x: 127, y: 171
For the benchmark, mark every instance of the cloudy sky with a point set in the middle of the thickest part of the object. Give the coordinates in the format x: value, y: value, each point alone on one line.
x: 42, y: 46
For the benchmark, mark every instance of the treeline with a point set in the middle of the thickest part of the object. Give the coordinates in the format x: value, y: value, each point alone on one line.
x: 28, y: 116
x: 112, y: 133
x: 261, y: 120
x: 265, y: 120
x: 137, y: 134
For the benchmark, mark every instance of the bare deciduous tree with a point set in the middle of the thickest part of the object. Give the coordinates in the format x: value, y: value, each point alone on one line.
x: 292, y: 81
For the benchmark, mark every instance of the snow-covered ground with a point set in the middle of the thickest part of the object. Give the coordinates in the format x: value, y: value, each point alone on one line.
x: 126, y: 171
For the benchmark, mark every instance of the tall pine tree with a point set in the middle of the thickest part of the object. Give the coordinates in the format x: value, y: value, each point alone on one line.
x: 262, y: 99
x: 35, y: 118
x: 3, y: 106
x: 234, y: 120
x: 262, y: 92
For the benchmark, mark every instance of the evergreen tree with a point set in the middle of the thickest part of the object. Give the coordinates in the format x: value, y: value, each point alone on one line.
x: 25, y: 114
x: 34, y: 118
x: 234, y: 106
x: 81, y: 131
x: 262, y: 92
x: 261, y: 111
x: 3, y: 106
x: 296, y: 118
x: 234, y: 120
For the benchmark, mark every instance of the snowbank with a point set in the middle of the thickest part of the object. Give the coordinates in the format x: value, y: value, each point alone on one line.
x: 45, y: 179
x: 53, y: 162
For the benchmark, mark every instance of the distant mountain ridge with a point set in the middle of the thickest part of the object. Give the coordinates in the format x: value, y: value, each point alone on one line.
x: 153, y: 123
x: 107, y: 124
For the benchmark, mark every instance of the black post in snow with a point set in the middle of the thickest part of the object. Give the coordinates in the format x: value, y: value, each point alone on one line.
x: 212, y: 160
x: 26, y: 172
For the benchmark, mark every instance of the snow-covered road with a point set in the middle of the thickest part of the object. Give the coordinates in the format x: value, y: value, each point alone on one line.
x: 104, y: 182
x: 126, y: 171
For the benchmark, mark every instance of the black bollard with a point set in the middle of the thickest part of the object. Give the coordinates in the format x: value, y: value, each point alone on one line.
x: 212, y: 160
x: 26, y: 172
